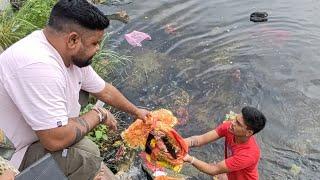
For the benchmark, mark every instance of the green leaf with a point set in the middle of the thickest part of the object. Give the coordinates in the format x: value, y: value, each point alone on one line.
x: 103, y: 127
x: 105, y: 137
x: 98, y: 134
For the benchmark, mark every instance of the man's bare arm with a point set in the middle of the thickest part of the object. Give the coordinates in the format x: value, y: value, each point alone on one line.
x: 62, y: 137
x: 196, y: 141
x: 211, y: 169
x: 112, y: 96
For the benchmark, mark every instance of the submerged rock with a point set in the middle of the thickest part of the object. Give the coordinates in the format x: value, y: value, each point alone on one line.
x: 121, y: 16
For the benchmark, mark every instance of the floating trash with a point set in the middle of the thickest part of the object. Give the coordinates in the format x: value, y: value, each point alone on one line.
x: 170, y: 29
x: 295, y: 170
x: 236, y: 75
x: 135, y: 38
x: 159, y: 173
x: 259, y: 17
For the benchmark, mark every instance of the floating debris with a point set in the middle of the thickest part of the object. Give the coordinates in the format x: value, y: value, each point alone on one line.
x: 259, y: 17
x: 121, y: 16
x: 135, y: 38
x: 295, y: 170
x: 170, y: 29
x: 236, y: 75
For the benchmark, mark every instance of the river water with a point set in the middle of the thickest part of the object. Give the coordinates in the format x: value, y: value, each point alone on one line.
x: 206, y: 58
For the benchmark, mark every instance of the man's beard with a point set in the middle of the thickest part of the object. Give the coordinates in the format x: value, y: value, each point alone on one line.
x: 81, y: 62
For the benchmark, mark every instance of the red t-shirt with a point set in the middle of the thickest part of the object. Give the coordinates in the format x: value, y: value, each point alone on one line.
x: 241, y: 159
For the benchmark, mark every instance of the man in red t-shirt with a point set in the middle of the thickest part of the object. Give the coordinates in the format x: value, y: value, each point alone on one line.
x: 242, y: 153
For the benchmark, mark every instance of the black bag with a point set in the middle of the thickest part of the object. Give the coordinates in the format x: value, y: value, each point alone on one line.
x: 45, y: 168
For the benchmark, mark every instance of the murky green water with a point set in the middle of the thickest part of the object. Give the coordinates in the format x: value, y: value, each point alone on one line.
x: 217, y: 60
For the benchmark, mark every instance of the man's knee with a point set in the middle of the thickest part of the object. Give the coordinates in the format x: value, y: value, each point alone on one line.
x: 33, y: 154
x: 87, y: 145
x: 80, y: 161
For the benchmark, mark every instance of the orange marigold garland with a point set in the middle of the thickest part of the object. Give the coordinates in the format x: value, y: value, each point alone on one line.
x: 162, y: 144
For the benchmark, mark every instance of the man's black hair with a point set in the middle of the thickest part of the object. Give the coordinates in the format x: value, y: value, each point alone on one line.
x: 79, y: 12
x: 253, y: 118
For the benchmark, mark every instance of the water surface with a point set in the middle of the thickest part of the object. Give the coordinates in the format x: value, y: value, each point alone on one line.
x: 196, y: 69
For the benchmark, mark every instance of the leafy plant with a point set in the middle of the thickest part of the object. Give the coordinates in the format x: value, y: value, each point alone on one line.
x: 98, y: 134
x: 107, y: 61
x: 36, y: 11
x: 15, y: 25
x: 110, y: 143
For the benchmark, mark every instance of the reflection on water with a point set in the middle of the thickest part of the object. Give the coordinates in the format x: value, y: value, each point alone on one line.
x: 206, y: 58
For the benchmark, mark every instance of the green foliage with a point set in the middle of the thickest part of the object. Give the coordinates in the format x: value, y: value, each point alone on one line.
x: 98, y: 134
x: 106, y: 61
x: 99, y: 1
x: 36, y: 11
x: 15, y: 25
x: 86, y: 109
x: 110, y: 143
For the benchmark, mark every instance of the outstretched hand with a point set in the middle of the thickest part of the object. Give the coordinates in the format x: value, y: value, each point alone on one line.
x: 7, y: 175
x: 188, y: 141
x: 142, y: 114
x: 111, y: 122
x: 187, y: 158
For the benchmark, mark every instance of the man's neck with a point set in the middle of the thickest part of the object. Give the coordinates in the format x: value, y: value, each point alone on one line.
x: 55, y: 40
x: 241, y: 139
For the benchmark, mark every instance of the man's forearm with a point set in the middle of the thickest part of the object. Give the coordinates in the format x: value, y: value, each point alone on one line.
x: 112, y: 96
x: 196, y: 141
x: 65, y: 136
x: 205, y: 167
x: 82, y: 125
x: 193, y: 141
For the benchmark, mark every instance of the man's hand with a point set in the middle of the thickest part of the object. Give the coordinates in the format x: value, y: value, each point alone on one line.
x: 109, y: 120
x: 221, y: 177
x: 200, y: 140
x: 188, y: 141
x: 187, y: 158
x: 142, y: 114
x: 7, y: 175
x: 211, y: 169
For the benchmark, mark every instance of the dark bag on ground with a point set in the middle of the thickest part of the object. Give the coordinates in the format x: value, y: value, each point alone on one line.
x: 45, y: 168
